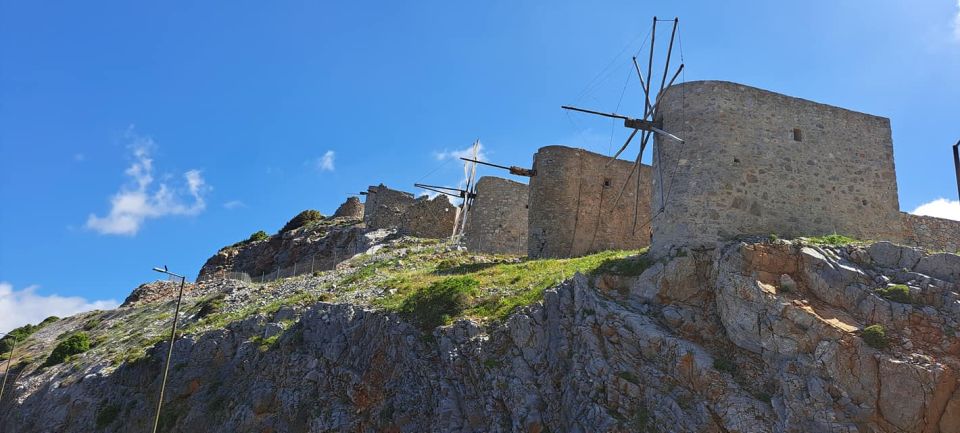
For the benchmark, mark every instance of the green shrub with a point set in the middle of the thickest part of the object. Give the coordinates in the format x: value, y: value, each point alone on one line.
x: 210, y: 306
x: 72, y: 345
x: 19, y: 334
x: 724, y: 364
x: 875, y: 336
x: 436, y: 304
x: 106, y: 414
x: 896, y: 293
x: 302, y: 219
x: 258, y: 236
x: 834, y: 239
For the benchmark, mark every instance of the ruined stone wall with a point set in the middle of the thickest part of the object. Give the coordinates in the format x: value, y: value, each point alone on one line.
x: 429, y: 218
x: 352, y: 209
x: 497, y: 222
x: 385, y: 207
x: 935, y: 234
x: 572, y: 210
x: 757, y: 162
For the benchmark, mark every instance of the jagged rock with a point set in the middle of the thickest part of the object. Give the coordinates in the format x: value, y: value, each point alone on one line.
x: 749, y: 337
x: 155, y: 291
x: 350, y: 209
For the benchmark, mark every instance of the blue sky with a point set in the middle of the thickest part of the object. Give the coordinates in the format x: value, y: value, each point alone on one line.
x: 135, y: 135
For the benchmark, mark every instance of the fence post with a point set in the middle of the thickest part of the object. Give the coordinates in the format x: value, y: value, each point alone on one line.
x: 294, y: 269
x: 278, y: 274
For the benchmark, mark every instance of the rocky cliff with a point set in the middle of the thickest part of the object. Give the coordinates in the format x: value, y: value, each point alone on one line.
x: 762, y: 336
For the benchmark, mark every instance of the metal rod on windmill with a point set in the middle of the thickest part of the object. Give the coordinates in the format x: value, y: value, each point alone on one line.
x: 446, y: 190
x: 514, y: 170
x: 956, y: 164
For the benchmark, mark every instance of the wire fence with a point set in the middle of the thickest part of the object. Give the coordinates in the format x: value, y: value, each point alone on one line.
x: 307, y: 265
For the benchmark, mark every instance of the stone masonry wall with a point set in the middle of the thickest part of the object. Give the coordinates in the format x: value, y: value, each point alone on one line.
x: 385, y: 207
x: 429, y: 218
x: 757, y: 162
x: 497, y: 222
x: 572, y: 209
x: 935, y: 234
x: 352, y: 209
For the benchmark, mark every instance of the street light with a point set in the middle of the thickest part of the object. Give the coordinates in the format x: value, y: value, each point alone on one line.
x: 13, y: 342
x: 173, y: 336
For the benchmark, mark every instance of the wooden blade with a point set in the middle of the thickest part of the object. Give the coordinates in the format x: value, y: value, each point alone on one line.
x: 624, y: 147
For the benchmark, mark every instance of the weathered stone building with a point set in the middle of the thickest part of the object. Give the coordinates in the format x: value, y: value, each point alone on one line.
x: 573, y: 207
x: 351, y: 209
x: 757, y: 163
x: 385, y: 207
x: 429, y: 218
x: 421, y: 217
x: 497, y: 221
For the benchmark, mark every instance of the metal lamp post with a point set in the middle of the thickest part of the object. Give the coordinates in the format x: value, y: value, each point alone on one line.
x: 956, y: 164
x: 173, y: 336
x: 9, y: 360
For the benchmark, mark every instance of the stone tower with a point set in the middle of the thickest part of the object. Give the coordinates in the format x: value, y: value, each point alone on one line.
x: 758, y: 163
x: 572, y: 211
x: 498, y: 218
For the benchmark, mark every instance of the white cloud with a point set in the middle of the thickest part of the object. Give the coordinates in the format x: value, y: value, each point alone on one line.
x: 956, y: 23
x: 325, y: 162
x: 20, y: 307
x: 462, y: 153
x: 137, y: 201
x: 940, y: 208
x: 234, y: 204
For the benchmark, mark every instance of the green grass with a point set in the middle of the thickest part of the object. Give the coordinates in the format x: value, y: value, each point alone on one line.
x: 439, y: 302
x: 875, y: 336
x: 896, y: 293
x: 833, y: 240
x: 74, y: 344
x: 504, y: 283
x: 17, y: 335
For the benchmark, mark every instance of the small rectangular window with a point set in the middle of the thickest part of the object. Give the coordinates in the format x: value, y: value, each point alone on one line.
x: 797, y: 134
x: 606, y: 182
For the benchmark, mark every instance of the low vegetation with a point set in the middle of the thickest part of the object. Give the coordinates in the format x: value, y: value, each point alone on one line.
x: 106, y: 414
x: 896, y: 293
x: 74, y: 344
x: 833, y: 240
x: 302, y: 219
x: 875, y: 336
x: 437, y: 303
x: 258, y: 236
x: 503, y: 283
x: 19, y: 334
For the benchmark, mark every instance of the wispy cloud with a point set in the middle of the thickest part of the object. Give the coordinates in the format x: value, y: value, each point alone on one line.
x: 234, y: 204
x: 325, y: 162
x: 940, y: 208
x: 20, y: 307
x: 956, y: 23
x: 138, y: 201
x: 466, y: 152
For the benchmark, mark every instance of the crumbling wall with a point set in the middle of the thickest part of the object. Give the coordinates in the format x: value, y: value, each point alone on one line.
x: 429, y: 218
x: 935, y: 234
x: 351, y: 209
x: 573, y: 204
x: 385, y: 207
x: 759, y: 163
x: 497, y: 221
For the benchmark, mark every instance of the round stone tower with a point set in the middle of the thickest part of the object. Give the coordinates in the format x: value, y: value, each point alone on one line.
x: 756, y: 162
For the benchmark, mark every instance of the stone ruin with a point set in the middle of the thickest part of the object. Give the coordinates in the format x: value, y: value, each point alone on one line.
x: 497, y: 221
x: 350, y: 209
x: 421, y: 217
x: 754, y: 162
x: 759, y: 163
x: 573, y: 206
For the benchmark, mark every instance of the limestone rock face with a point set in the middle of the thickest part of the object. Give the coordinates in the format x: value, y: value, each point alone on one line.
x: 299, y: 251
x: 747, y: 337
x: 155, y: 291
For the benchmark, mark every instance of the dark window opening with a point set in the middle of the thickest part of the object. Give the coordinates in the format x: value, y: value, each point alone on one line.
x: 606, y: 182
x: 797, y: 134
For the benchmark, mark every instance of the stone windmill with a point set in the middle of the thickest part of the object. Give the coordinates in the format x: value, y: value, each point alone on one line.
x: 645, y: 125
